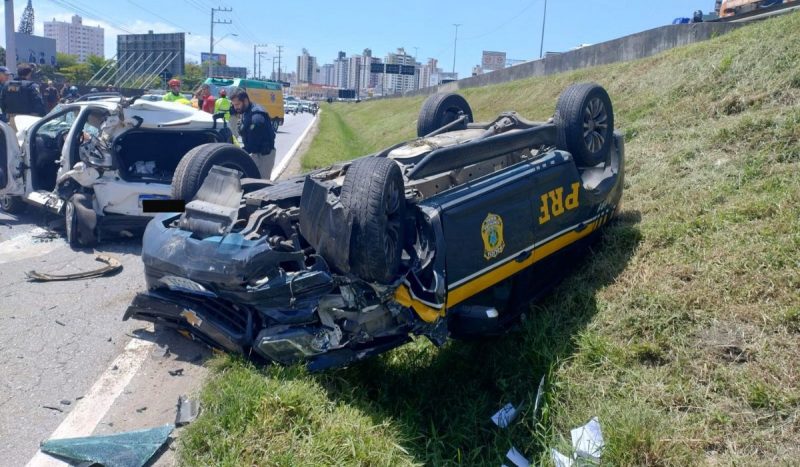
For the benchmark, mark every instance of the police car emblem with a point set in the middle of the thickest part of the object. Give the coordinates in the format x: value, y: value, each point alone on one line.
x: 492, y: 233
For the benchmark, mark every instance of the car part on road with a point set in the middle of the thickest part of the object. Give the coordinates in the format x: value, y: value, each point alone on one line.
x: 196, y: 164
x: 12, y: 204
x: 112, y: 266
x: 439, y: 110
x: 188, y: 411
x: 447, y: 235
x: 129, y: 449
x: 80, y: 221
x: 585, y: 122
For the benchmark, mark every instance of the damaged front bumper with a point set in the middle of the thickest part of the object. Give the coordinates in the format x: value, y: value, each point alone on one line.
x: 247, y: 297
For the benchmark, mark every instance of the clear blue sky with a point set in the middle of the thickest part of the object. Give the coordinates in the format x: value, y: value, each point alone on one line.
x: 324, y: 28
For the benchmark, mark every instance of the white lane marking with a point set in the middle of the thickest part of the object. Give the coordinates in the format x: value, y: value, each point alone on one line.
x: 24, y: 246
x: 88, y: 412
x: 278, y: 170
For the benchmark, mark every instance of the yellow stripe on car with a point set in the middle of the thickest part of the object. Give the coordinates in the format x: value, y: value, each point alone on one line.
x: 502, y: 272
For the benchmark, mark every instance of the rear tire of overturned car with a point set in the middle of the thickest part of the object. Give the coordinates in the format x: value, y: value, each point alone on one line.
x: 12, y: 204
x: 374, y: 194
x: 584, y: 119
x: 195, y: 165
x: 440, y: 109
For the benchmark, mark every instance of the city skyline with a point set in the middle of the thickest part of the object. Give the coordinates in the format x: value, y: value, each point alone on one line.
x: 352, y: 25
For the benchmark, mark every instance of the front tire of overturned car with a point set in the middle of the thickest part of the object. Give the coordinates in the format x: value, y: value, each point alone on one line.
x: 195, y: 165
x: 440, y: 109
x: 373, y: 192
x: 584, y: 120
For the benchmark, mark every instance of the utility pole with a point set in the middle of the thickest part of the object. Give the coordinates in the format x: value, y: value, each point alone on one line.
x: 455, y: 41
x: 11, y: 43
x: 541, y: 42
x: 255, y: 46
x: 211, y: 48
x: 260, y: 56
x: 280, y: 78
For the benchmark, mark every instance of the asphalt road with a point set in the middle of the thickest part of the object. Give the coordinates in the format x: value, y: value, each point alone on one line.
x: 58, y: 338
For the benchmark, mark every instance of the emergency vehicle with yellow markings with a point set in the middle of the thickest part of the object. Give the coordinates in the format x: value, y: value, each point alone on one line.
x: 266, y: 93
x: 447, y: 235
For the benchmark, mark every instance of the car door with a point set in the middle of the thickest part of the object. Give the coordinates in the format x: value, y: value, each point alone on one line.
x: 11, y: 182
x: 488, y: 226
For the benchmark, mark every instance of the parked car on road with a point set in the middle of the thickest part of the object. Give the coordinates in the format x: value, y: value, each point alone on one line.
x: 444, y: 235
x: 97, y: 161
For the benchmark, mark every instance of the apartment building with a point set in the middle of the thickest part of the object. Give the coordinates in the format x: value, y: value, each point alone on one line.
x: 74, y: 38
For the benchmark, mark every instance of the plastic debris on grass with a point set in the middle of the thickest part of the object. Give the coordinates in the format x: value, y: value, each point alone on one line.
x: 587, y: 444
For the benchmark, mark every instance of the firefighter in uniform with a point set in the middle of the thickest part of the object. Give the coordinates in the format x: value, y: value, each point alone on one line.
x: 255, y: 128
x: 174, y: 94
x: 21, y: 96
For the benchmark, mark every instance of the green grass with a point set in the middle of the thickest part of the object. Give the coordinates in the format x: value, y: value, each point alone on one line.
x: 680, y: 331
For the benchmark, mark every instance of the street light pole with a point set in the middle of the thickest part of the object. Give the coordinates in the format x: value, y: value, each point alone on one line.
x: 541, y: 42
x: 11, y: 48
x: 455, y: 41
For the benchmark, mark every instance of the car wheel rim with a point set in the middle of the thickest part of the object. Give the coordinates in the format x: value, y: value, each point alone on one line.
x: 595, y: 124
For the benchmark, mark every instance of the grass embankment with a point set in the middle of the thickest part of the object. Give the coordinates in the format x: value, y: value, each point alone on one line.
x: 681, y: 331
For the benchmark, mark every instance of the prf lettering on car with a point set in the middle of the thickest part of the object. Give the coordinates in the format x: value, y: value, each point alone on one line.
x: 554, y: 203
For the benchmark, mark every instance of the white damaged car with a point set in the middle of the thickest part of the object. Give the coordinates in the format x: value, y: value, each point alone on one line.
x: 105, y: 164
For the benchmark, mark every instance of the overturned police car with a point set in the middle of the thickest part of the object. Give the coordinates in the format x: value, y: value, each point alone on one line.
x: 445, y: 235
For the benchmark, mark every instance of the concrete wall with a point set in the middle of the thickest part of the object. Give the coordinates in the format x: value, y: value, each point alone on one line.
x: 639, y: 45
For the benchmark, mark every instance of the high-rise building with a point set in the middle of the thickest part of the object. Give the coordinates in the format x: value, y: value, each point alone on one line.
x: 427, y: 72
x: 147, y: 54
x: 340, y: 70
x: 326, y: 75
x: 76, y: 39
x: 398, y: 84
x: 354, y: 76
x: 306, y: 65
x: 369, y: 80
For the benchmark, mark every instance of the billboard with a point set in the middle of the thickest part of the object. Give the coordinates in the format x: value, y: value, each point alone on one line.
x: 222, y: 59
x: 35, y: 49
x: 493, y: 60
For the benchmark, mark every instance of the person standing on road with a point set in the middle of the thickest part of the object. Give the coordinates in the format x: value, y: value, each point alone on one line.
x: 206, y: 99
x: 174, y: 94
x: 255, y: 127
x: 21, y: 96
x: 51, y: 96
x: 5, y: 76
x: 223, y: 104
x: 70, y: 95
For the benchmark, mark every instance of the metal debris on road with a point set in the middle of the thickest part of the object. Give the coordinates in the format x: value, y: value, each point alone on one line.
x: 178, y: 372
x: 141, y: 409
x: 129, y: 449
x: 112, y: 266
x: 60, y: 323
x: 188, y: 410
x: 65, y: 402
x: 44, y: 234
x: 52, y: 407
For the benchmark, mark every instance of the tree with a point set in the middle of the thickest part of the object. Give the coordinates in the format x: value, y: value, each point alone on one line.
x: 65, y: 60
x: 78, y: 73
x: 193, y: 76
x: 2, y: 55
